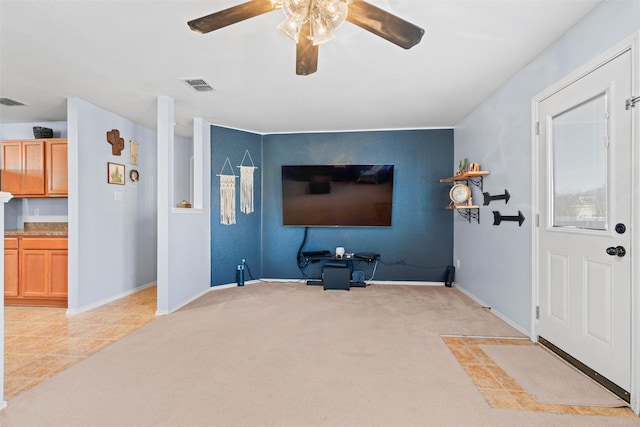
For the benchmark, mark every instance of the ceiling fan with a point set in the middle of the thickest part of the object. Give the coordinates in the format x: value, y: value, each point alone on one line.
x: 311, y: 22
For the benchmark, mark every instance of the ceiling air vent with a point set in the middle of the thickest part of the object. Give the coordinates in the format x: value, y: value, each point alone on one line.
x: 198, y: 84
x: 10, y: 102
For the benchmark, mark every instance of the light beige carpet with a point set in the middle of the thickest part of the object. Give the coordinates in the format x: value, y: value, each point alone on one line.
x: 288, y: 355
x: 548, y: 378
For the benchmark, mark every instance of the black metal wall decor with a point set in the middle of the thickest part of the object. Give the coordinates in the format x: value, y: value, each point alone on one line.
x: 497, y: 218
x: 488, y: 198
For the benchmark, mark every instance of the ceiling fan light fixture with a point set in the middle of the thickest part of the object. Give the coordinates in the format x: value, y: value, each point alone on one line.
x: 297, y: 10
x: 324, y: 17
x: 336, y: 12
x: 291, y: 28
x: 312, y: 22
x: 320, y: 31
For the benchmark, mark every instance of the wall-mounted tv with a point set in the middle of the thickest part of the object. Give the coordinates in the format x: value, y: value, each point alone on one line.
x: 337, y: 195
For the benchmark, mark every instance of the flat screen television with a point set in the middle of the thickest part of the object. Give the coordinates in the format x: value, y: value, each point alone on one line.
x: 337, y: 195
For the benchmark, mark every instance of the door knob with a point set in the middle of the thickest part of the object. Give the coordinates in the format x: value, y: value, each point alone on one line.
x: 617, y: 251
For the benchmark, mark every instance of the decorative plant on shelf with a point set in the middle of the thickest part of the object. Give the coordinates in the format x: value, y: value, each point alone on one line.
x: 463, y: 165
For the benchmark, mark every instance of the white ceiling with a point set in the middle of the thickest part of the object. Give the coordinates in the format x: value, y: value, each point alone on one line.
x: 121, y: 55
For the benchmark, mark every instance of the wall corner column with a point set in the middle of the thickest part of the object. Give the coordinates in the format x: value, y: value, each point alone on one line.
x: 4, y: 198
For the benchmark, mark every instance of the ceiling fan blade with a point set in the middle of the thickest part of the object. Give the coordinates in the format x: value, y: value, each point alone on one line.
x: 384, y: 24
x: 230, y: 16
x: 306, y: 53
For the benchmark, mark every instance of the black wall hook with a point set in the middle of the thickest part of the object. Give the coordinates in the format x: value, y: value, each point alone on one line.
x: 488, y: 197
x: 497, y: 218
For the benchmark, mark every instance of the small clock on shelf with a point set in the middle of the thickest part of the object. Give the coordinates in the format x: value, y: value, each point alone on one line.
x: 460, y: 195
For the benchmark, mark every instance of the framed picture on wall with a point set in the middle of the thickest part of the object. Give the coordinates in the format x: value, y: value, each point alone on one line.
x: 115, y: 173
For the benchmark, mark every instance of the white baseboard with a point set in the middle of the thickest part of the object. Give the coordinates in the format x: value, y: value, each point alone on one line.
x: 495, y: 312
x: 190, y: 300
x: 72, y: 312
x: 400, y: 282
x: 371, y: 282
x: 210, y: 289
x: 283, y: 280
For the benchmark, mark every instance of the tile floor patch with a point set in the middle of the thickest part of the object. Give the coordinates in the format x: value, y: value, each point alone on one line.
x: 42, y: 341
x: 502, y: 391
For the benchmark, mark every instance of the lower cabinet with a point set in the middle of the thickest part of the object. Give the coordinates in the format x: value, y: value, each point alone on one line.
x: 11, y: 271
x: 42, y: 272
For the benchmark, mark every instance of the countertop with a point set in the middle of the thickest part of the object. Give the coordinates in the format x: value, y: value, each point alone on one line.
x: 36, y: 233
x: 40, y: 229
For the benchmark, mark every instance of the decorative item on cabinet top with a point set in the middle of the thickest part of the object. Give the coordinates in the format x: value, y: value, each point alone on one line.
x: 40, y: 132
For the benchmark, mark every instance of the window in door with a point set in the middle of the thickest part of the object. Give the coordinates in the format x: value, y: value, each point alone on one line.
x: 579, y: 145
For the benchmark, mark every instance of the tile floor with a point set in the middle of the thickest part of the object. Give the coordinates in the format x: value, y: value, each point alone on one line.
x: 42, y: 341
x: 500, y: 390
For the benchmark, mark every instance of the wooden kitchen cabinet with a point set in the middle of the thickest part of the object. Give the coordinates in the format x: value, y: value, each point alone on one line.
x: 33, y: 273
x: 56, y: 167
x: 58, y: 270
x: 12, y: 167
x: 35, y: 168
x: 11, y: 272
x: 42, y: 272
x: 23, y: 167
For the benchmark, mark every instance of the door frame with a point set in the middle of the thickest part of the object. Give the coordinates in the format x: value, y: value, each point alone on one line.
x: 632, y: 44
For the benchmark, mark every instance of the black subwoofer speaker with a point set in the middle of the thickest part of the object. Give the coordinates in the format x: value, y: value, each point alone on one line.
x: 336, y: 277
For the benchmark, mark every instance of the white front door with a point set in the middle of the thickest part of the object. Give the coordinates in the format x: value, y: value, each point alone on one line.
x: 584, y: 197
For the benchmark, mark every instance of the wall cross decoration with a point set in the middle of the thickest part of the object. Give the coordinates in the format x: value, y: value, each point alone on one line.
x: 117, y: 143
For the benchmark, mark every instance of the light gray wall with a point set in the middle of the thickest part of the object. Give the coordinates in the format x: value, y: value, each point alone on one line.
x: 183, y: 234
x: 495, y: 261
x: 183, y: 150
x: 112, y: 228
x: 25, y: 130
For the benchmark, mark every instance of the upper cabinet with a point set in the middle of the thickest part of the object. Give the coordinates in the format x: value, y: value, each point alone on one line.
x: 56, y: 167
x: 35, y: 167
x: 23, y: 167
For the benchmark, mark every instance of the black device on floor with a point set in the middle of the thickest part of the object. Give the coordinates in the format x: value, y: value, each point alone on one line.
x: 451, y: 275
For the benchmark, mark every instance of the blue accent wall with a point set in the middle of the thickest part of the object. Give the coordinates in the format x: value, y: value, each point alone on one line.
x: 419, y: 244
x: 231, y: 243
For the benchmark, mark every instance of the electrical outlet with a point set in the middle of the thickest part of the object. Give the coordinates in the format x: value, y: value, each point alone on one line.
x: 458, y: 263
x: 36, y: 212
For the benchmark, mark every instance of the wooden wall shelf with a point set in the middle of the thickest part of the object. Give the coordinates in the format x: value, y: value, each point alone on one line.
x: 468, y: 212
x: 466, y: 176
x: 463, y: 207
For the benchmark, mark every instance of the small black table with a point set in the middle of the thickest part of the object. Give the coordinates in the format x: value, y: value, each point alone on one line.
x: 337, y: 271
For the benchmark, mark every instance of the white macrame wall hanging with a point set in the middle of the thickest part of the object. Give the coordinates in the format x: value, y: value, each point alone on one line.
x: 227, y: 195
x: 246, y: 184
